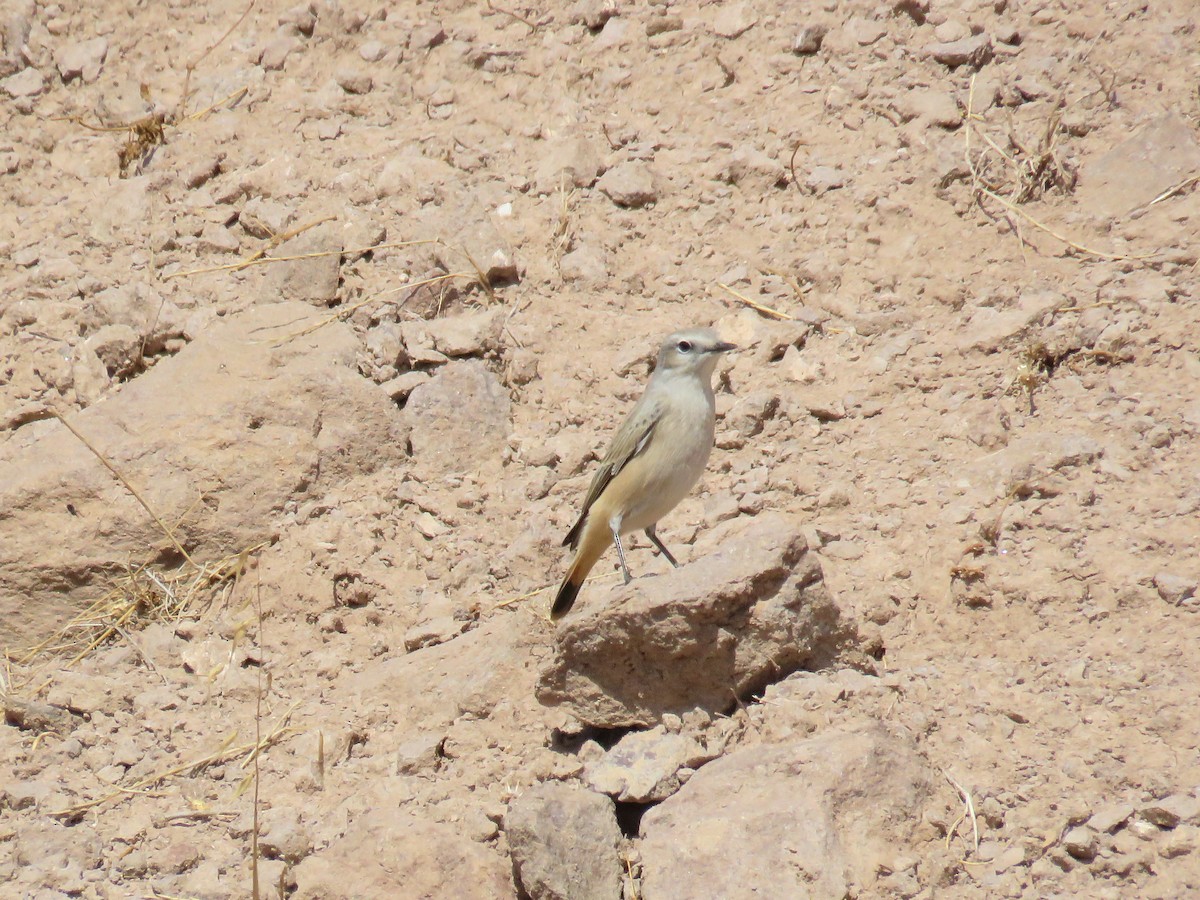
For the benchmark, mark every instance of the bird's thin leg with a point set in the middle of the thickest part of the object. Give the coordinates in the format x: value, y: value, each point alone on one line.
x: 621, y: 553
x: 650, y: 533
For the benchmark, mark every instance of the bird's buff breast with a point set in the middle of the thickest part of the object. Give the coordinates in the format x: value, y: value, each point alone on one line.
x: 663, y: 474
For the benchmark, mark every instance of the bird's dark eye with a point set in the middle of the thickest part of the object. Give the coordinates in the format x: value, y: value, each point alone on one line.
x: 684, y: 346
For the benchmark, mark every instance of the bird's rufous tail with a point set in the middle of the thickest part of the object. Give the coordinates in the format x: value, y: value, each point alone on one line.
x: 592, y: 542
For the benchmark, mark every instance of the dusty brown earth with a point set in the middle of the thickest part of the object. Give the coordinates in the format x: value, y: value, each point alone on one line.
x: 956, y: 242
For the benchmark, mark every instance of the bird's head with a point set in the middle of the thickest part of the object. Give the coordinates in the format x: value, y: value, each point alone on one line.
x: 692, y: 351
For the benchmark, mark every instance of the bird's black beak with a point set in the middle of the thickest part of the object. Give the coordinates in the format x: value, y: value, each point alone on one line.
x: 722, y: 347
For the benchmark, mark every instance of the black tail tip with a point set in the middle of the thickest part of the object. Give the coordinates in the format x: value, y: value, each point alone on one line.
x: 564, y: 600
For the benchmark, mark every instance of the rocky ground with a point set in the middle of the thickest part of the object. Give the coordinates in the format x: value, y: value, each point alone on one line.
x: 313, y: 320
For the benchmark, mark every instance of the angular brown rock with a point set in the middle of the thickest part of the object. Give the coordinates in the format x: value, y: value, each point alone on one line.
x: 564, y: 842
x: 715, y: 630
x: 314, y: 280
x: 644, y: 765
x: 973, y: 51
x: 808, y: 818
x: 630, y: 184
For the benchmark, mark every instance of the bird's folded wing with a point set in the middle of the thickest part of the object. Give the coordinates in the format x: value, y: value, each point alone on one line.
x: 631, y: 440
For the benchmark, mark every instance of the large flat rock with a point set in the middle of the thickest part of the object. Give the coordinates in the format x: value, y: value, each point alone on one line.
x: 216, y: 439
x: 702, y: 636
x: 810, y: 818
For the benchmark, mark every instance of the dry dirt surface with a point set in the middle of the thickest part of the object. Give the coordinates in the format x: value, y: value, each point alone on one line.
x: 315, y: 318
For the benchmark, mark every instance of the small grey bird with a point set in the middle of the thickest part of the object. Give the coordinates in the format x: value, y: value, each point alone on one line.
x: 655, y: 459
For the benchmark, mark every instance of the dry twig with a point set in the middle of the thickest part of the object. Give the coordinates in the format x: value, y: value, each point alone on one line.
x: 532, y: 26
x: 1033, y: 168
x: 753, y: 304
x: 260, y: 255
x: 191, y: 66
x: 347, y: 311
x: 225, y: 753
x: 140, y: 595
x: 968, y: 813
x: 129, y: 487
x: 531, y: 594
